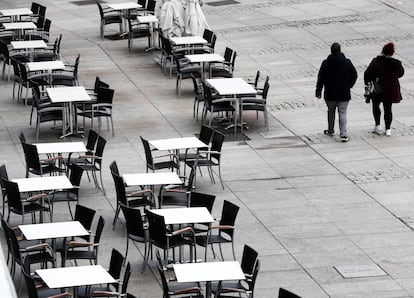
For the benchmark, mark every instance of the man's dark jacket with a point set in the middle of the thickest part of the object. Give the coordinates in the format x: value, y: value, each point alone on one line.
x: 337, y: 76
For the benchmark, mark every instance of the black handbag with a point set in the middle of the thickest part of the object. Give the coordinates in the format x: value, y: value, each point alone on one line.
x: 372, y: 90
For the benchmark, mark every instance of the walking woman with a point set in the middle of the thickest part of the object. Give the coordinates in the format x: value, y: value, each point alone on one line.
x: 387, y: 70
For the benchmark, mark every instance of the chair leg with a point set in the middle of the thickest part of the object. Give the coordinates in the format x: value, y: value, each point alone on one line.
x: 126, y: 251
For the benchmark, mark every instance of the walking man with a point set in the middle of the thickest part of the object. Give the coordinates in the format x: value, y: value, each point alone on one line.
x: 337, y: 75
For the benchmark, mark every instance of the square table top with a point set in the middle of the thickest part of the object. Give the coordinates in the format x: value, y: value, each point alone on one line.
x: 176, y: 216
x: 45, y: 65
x: 187, y: 40
x: 28, y: 44
x: 75, y: 276
x: 208, y: 271
x: 158, y: 178
x: 15, y: 12
x: 210, y: 57
x: 60, y: 147
x: 231, y: 86
x: 124, y: 5
x: 19, y: 25
x: 147, y: 19
x: 53, y: 230
x: 43, y: 183
x: 177, y: 143
x: 68, y: 94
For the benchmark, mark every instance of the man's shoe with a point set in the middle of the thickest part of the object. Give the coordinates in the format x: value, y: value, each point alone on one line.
x: 328, y: 132
x: 388, y: 132
x: 377, y: 129
x: 344, y: 139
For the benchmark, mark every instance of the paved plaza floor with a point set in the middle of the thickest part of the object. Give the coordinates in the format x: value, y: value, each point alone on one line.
x: 329, y: 219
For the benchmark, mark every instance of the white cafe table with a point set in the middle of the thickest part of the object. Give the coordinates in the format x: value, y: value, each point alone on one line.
x: 187, y: 40
x: 69, y: 96
x: 232, y: 87
x: 43, y: 183
x: 53, y: 230
x: 29, y: 45
x: 208, y: 272
x: 177, y: 216
x: 177, y: 143
x: 77, y: 276
x: 45, y: 65
x: 19, y: 27
x: 158, y: 178
x: 16, y: 12
x: 204, y: 59
x: 124, y: 7
x: 60, y: 147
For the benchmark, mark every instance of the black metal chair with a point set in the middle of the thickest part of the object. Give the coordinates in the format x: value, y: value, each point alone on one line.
x: 138, y: 30
x: 154, y: 166
x: 185, y: 72
x: 166, y: 239
x: 28, y: 205
x: 250, y: 266
x: 256, y: 104
x: 177, y: 195
x: 71, y: 194
x: 108, y: 17
x: 224, y: 69
x: 40, y: 167
x: 199, y: 199
x: 94, y: 162
x: 140, y: 198
x: 67, y: 76
x: 221, y: 233
x: 136, y: 231
x: 84, y: 250
x: 210, y: 158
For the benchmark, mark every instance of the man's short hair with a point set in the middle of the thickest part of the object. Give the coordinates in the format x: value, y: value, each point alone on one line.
x: 335, y: 48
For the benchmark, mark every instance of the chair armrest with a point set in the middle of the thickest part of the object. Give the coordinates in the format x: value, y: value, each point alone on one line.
x: 182, y: 231
x: 105, y: 294
x: 36, y: 247
x: 138, y: 192
x: 188, y: 291
x: 35, y: 197
x: 221, y: 227
x: 79, y: 244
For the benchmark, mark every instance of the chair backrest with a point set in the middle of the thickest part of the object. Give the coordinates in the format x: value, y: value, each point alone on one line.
x: 99, y: 83
x: 206, y: 133
x: 76, y: 67
x: 213, y: 41
x: 42, y: 11
x: 101, y: 13
x: 228, y: 216
x: 249, y: 259
x: 143, y: 3
x: 105, y: 95
x: 256, y: 79
x: 14, y: 243
x: 22, y: 138
x: 148, y: 154
x: 190, y: 181
x: 100, y: 146
x: 233, y: 60
x: 113, y: 167
x: 23, y: 71
x: 120, y: 189
x: 265, y: 90
x: 57, y: 50
x: 283, y: 293
x: 13, y: 194
x: 115, y: 264
x: 228, y: 53
x: 151, y: 6
x: 125, y: 280
x: 252, y: 281
x: 4, y: 51
x: 16, y: 68
x: 35, y: 8
x: 216, y: 145
x: 30, y: 283
x: 199, y: 199
x: 99, y: 229
x: 92, y: 140
x: 208, y: 97
x: 5, y: 228
x: 3, y: 175
x: 197, y: 90
x: 163, y: 278
x: 156, y: 227
x: 46, y: 25
x: 207, y: 34
x: 32, y: 157
x: 40, y: 22
x: 84, y: 215
x: 75, y: 176
x: 133, y: 220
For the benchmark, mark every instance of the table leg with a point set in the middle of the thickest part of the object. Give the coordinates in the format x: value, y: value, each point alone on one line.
x: 208, y: 289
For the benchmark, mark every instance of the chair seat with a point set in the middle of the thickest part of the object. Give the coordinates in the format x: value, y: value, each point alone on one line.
x: 140, y: 202
x: 80, y: 255
x: 64, y: 196
x: 220, y: 72
x: 30, y: 208
x: 112, y: 18
x: 174, y: 242
x: 165, y: 165
x: 202, y: 239
x: 175, y: 198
